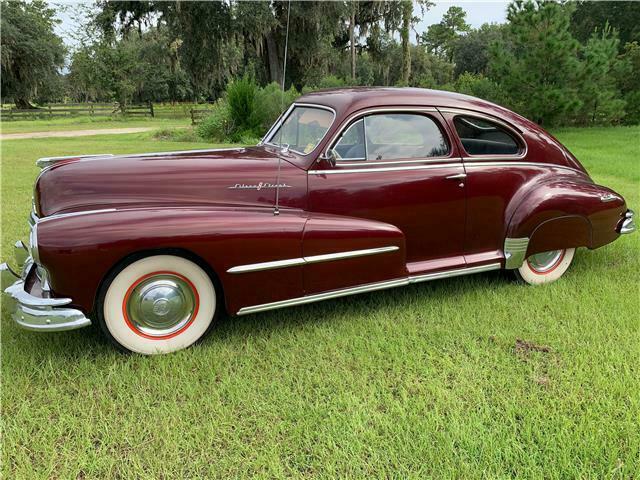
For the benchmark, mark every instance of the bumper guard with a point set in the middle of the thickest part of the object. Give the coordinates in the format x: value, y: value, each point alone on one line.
x: 33, y: 312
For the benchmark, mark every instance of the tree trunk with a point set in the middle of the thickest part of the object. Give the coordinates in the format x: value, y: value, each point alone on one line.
x: 407, y: 12
x: 23, y: 103
x: 352, y: 42
x: 275, y: 71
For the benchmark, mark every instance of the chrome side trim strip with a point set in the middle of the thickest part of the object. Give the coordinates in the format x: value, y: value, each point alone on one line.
x: 324, y: 296
x: 454, y: 273
x: 76, y: 214
x: 45, y: 162
x: 372, y: 163
x: 380, y: 169
x: 514, y: 251
x: 371, y: 287
x: 516, y: 163
x: 290, y: 262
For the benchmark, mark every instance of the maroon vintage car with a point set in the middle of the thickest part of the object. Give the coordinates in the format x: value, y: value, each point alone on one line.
x: 350, y: 191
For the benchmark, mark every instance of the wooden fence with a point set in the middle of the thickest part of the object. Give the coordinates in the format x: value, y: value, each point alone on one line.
x: 62, y: 110
x: 198, y: 114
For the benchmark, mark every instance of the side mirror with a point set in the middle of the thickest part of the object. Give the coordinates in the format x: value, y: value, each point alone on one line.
x: 330, y: 157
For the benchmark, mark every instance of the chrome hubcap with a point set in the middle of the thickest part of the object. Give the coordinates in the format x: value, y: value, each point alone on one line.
x: 545, y: 261
x: 161, y: 305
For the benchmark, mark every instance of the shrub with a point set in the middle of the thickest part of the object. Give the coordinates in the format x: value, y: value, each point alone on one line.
x: 241, y: 99
x: 480, y: 86
x: 219, y: 125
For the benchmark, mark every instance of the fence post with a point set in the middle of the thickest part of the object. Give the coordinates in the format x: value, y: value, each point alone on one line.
x: 50, y: 112
x: 91, y: 112
x: 193, y: 119
x: 151, y: 109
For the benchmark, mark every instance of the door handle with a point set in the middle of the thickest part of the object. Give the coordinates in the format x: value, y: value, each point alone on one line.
x: 459, y: 176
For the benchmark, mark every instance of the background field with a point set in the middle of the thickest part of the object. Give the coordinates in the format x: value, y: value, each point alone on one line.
x: 468, y: 377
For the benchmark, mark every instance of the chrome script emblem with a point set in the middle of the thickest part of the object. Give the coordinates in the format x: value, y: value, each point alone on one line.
x: 258, y: 186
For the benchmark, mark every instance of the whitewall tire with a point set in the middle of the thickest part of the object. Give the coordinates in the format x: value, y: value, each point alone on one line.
x: 545, y: 267
x: 158, y: 304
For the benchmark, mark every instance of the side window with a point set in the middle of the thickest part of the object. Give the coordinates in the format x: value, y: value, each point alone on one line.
x: 482, y: 137
x: 351, y: 145
x: 392, y: 136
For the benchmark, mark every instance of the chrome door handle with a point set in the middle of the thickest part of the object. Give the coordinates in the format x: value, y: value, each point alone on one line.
x: 459, y: 176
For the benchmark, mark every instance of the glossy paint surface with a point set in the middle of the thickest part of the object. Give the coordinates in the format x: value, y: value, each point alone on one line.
x: 218, y: 207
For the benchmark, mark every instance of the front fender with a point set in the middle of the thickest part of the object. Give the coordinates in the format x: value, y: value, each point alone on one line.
x: 80, y: 250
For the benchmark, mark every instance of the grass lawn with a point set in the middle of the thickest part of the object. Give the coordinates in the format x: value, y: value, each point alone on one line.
x: 424, y: 381
x: 89, y: 123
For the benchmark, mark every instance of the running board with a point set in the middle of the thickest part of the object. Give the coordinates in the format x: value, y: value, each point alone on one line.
x: 371, y: 287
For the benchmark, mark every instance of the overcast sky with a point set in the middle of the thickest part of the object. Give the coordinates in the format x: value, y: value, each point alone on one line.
x: 478, y: 12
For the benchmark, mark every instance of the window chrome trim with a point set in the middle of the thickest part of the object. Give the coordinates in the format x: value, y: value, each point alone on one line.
x: 75, y: 214
x: 368, y: 169
x: 399, y: 109
x: 328, y: 257
x: 520, y: 164
x: 510, y: 128
x: 277, y: 125
x: 370, y: 287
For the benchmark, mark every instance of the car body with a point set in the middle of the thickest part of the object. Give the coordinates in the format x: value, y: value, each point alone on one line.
x: 351, y: 190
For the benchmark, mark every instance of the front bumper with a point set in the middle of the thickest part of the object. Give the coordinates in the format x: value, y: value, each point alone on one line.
x: 29, y: 305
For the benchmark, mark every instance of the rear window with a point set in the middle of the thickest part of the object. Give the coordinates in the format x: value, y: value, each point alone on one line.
x: 483, y: 137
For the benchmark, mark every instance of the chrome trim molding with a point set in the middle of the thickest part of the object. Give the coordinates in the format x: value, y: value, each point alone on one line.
x: 514, y: 252
x: 515, y: 163
x: 608, y: 197
x: 45, y: 162
x: 371, y: 287
x: 75, y: 214
x: 380, y: 169
x: 628, y: 224
x: 291, y: 262
x: 454, y: 273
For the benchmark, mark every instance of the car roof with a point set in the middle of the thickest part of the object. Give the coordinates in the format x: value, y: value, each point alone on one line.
x: 348, y: 100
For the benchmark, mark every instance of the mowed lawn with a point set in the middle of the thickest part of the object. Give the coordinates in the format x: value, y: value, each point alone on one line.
x: 474, y: 377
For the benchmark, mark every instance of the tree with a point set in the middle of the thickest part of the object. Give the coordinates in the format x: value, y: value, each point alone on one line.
x: 539, y: 70
x: 471, y: 51
x: 628, y: 78
x: 440, y: 38
x: 622, y: 16
x: 32, y: 54
x: 601, y: 99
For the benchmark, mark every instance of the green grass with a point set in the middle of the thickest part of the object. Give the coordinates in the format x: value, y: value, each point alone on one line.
x: 423, y: 381
x: 88, y: 123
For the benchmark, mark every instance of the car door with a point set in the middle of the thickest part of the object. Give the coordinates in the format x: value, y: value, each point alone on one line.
x: 399, y: 167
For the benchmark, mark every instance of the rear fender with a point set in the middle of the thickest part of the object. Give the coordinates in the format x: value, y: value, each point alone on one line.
x: 563, y: 213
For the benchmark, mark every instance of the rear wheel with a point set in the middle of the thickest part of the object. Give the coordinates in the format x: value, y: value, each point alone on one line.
x: 545, y: 267
x: 157, y: 304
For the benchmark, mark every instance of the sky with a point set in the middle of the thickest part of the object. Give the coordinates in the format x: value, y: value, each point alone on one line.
x: 478, y: 12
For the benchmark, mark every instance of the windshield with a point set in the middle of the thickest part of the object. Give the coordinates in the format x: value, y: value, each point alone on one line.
x: 303, y: 129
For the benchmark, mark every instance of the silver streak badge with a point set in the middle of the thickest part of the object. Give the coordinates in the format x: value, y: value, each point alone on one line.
x: 258, y: 186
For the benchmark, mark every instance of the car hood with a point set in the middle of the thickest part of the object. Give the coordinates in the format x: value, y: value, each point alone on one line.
x: 239, y: 176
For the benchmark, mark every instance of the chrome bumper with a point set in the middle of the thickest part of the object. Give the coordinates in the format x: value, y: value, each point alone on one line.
x: 33, y: 312
x: 628, y: 224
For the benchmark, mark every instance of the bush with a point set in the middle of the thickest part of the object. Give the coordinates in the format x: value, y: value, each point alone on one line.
x: 246, y: 112
x: 480, y: 86
x: 219, y: 125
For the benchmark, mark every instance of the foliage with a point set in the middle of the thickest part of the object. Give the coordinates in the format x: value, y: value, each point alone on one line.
x: 471, y: 51
x: 541, y: 69
x: 601, y: 101
x: 628, y: 78
x: 440, y: 38
x: 478, y: 85
x: 31, y: 53
x: 593, y: 15
x: 246, y: 111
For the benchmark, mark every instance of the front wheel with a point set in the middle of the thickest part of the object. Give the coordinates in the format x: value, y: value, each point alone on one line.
x: 545, y: 267
x: 157, y: 304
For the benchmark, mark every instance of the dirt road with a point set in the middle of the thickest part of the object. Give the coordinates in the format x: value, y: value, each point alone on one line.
x: 74, y: 133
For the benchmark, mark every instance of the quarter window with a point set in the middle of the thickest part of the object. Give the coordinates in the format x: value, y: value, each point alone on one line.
x: 482, y: 137
x: 392, y: 136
